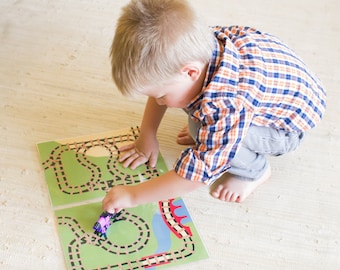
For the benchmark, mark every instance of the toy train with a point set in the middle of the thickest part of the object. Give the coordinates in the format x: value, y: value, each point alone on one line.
x: 103, y: 223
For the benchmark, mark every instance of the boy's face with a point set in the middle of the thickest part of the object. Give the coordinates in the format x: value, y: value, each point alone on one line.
x: 179, y: 92
x: 175, y: 95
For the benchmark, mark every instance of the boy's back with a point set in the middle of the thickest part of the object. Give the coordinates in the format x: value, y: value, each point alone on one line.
x: 275, y: 85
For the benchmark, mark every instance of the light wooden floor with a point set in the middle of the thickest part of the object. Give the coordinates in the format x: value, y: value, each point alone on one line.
x: 55, y: 83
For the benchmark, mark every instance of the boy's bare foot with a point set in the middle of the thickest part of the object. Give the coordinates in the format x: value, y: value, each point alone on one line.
x: 230, y: 188
x: 184, y: 137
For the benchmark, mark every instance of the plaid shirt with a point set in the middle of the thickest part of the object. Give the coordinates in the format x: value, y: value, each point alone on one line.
x: 252, y: 79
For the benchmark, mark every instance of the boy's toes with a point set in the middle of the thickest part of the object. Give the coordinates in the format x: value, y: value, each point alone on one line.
x: 185, y: 140
x: 217, y: 192
x: 214, y: 194
x: 227, y: 196
x: 240, y: 199
x: 235, y: 197
x: 184, y: 137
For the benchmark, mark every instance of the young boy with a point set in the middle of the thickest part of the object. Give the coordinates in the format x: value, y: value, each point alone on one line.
x: 247, y: 95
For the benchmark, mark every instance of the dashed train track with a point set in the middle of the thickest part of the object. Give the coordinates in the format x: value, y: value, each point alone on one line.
x: 95, y: 181
x: 144, y: 233
x: 82, y: 238
x: 119, y: 177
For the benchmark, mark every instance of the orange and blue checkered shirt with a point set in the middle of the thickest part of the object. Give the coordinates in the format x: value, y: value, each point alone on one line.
x: 252, y: 79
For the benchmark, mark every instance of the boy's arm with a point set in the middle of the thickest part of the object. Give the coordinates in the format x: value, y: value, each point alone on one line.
x: 152, y: 117
x: 167, y: 186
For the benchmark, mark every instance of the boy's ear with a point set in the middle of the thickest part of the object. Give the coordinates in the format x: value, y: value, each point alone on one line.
x: 192, y: 70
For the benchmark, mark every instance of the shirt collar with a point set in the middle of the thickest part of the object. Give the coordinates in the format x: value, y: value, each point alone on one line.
x: 214, y: 62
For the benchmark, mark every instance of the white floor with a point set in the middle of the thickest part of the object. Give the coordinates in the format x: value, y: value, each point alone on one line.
x: 55, y: 83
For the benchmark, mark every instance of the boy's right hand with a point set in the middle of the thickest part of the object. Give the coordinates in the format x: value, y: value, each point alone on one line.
x: 140, y: 152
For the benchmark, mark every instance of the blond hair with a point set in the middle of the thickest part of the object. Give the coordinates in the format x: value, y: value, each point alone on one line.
x: 154, y: 39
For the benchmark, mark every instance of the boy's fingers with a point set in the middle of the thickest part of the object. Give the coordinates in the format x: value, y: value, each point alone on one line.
x: 113, y: 210
x: 130, y: 160
x: 126, y: 147
x: 138, y: 161
x: 108, y: 205
x: 129, y: 155
x: 153, y: 159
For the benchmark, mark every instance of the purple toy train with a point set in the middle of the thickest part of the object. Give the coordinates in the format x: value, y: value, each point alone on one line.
x: 103, y: 223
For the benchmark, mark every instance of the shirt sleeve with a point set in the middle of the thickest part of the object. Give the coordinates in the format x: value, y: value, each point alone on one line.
x: 223, y: 126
